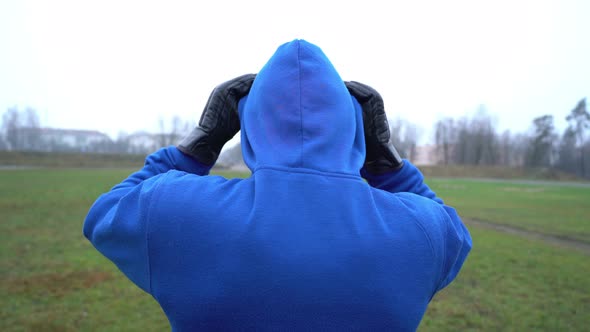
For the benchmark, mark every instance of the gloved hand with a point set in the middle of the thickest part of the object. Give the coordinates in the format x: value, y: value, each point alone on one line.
x: 381, y: 156
x: 219, y: 122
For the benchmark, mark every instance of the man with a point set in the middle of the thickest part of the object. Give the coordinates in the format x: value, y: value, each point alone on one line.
x: 304, y: 243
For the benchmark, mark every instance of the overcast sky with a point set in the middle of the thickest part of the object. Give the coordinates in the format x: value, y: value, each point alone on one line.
x: 120, y: 65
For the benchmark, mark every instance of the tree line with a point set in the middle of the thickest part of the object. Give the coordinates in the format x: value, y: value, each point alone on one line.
x: 467, y: 140
x: 475, y: 141
x: 21, y: 130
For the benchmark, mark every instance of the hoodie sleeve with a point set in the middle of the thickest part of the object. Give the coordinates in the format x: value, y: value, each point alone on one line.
x: 407, y: 179
x: 117, y: 223
x: 450, y: 237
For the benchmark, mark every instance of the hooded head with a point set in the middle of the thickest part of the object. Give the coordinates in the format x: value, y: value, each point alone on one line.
x: 299, y: 114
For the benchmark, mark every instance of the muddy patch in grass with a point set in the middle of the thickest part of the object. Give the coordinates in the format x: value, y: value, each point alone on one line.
x: 55, y: 284
x: 451, y: 186
x: 523, y: 190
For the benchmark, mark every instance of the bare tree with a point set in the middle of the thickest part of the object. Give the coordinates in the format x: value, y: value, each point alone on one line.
x: 586, y: 161
x: 11, y: 127
x: 505, y: 150
x: 476, y: 140
x: 567, y: 151
x: 461, y: 153
x: 162, y: 136
x: 175, y: 128
x: 579, y: 124
x: 542, y: 142
x: 31, y: 130
x: 445, y: 133
x: 178, y: 129
x: 511, y: 149
x: 404, y: 136
x: 484, y: 138
x: 21, y: 129
x: 518, y: 151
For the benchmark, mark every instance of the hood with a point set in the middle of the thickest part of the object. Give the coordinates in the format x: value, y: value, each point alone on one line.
x: 299, y: 114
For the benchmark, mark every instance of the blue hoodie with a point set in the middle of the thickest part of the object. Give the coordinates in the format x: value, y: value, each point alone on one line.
x: 303, y: 243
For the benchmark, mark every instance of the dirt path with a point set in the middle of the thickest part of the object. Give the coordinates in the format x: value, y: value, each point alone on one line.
x: 550, y: 239
x: 580, y: 184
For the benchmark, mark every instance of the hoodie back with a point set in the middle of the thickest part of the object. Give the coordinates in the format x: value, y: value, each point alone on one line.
x: 304, y: 243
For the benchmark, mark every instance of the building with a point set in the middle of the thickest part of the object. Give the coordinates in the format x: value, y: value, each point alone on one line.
x: 426, y: 155
x: 53, y: 139
x: 142, y: 142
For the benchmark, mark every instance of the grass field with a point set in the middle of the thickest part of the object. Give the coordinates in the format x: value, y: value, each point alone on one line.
x: 11, y: 159
x: 65, y: 159
x: 51, y: 279
x: 558, y: 210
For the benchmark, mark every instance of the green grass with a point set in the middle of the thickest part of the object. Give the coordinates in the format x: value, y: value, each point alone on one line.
x: 553, y: 209
x: 113, y: 160
x: 70, y: 160
x: 513, y: 284
x: 51, y: 279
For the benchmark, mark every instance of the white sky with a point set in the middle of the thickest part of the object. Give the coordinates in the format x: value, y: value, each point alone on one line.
x: 120, y: 65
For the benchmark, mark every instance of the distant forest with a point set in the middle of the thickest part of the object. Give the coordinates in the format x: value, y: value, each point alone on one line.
x: 468, y: 140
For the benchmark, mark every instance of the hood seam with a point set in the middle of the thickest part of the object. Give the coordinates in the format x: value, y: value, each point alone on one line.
x: 300, y: 103
x: 300, y: 110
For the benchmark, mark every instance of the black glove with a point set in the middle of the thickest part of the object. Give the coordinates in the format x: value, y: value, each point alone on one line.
x: 381, y: 157
x: 219, y: 122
